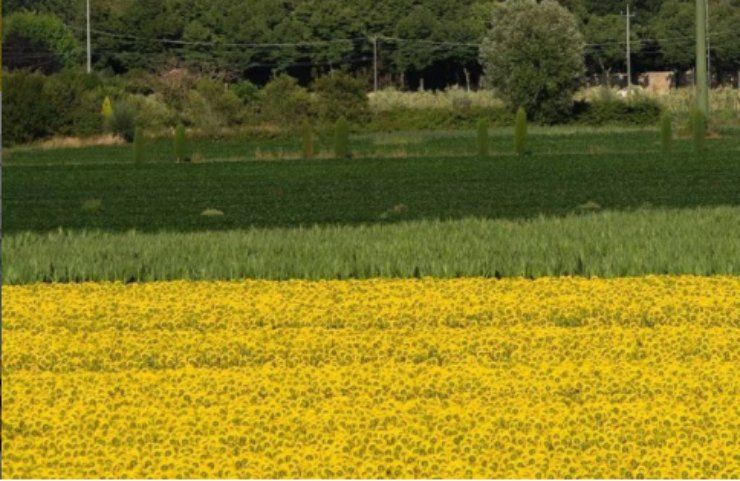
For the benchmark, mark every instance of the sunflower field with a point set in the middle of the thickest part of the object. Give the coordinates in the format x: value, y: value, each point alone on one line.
x: 470, y: 377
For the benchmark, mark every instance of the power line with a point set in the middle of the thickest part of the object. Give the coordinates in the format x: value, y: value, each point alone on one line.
x: 658, y: 40
x: 430, y: 42
x: 369, y: 40
x: 227, y: 44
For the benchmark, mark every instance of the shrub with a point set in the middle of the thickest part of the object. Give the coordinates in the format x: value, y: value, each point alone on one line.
x: 224, y: 102
x: 341, y: 139
x: 520, y: 131
x: 286, y: 103
x: 199, y: 113
x: 438, y: 119
x: 173, y: 85
x: 247, y: 92
x: 210, y: 106
x: 154, y: 113
x: 307, y: 142
x: 341, y: 95
x: 27, y: 113
x: 483, y: 140
x: 87, y: 119
x: 181, y: 149
x: 454, y: 98
x: 666, y: 132
x: 637, y: 111
x: 123, y: 120
x: 37, y: 41
x: 533, y: 55
x: 138, y: 146
x: 698, y: 128
x: 75, y: 97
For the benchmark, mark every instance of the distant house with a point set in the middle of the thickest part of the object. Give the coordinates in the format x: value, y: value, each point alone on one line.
x: 658, y: 82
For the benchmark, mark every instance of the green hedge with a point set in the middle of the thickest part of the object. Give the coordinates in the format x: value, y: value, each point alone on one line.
x: 642, y: 111
x: 27, y: 115
x: 432, y: 119
x: 38, y: 106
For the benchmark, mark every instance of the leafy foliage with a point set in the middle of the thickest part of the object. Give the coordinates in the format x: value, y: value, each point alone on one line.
x: 284, y: 102
x: 37, y: 42
x: 341, y: 95
x: 75, y: 97
x: 533, y: 55
x: 677, y: 21
x: 123, y: 121
x: 636, y: 111
x: 27, y: 113
x: 443, y: 35
x: 247, y: 92
x: 605, y: 53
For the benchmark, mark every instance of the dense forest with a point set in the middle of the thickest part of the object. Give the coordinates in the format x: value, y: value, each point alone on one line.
x: 430, y: 41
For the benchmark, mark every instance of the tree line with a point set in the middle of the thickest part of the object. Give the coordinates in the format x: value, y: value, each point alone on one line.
x: 433, y: 43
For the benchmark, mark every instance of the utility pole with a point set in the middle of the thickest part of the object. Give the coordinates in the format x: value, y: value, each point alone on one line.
x: 89, y: 42
x: 375, y: 63
x: 629, y: 50
x: 702, y: 87
x: 709, y: 47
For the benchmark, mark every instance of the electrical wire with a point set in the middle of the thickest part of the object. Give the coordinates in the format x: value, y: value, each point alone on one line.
x: 387, y: 39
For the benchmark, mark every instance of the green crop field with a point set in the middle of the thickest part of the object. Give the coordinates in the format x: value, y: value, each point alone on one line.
x: 599, y: 202
x: 700, y: 241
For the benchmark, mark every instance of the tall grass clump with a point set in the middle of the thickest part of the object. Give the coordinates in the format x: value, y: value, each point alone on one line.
x: 698, y: 128
x: 520, y: 131
x: 307, y: 142
x: 181, y: 154
x: 341, y: 139
x: 138, y: 146
x: 666, y: 132
x: 483, y: 140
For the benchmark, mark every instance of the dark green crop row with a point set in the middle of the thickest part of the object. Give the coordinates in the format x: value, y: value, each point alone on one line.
x: 173, y: 197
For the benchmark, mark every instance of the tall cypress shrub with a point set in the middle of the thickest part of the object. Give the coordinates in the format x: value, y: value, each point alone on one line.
x: 106, y: 111
x: 307, y: 142
x: 341, y: 139
x: 520, y: 131
x: 483, y: 140
x: 181, y: 154
x: 138, y: 146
